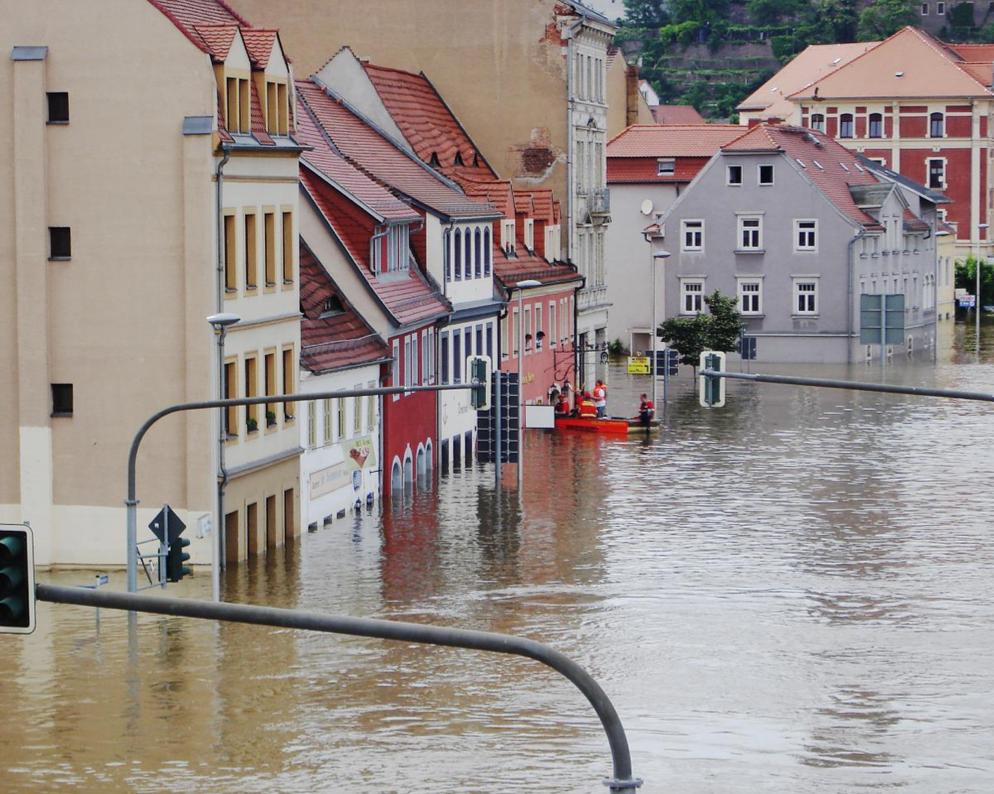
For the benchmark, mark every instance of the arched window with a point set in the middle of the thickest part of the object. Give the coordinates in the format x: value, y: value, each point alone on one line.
x: 487, y: 251
x: 396, y: 477
x: 936, y: 125
x: 876, y: 129
x: 469, y: 253
x: 845, y: 125
x: 458, y: 254
x: 447, y: 255
x: 476, y: 253
x: 818, y: 122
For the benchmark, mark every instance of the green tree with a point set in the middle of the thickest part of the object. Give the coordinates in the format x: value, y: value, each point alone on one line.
x: 772, y: 12
x: 883, y: 18
x: 717, y: 330
x: 645, y: 13
x: 966, y: 277
x: 704, y: 11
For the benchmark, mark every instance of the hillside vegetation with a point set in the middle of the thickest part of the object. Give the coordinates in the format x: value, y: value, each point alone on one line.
x: 714, y: 53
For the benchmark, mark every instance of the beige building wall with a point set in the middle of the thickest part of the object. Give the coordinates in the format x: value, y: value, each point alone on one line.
x: 491, y: 60
x: 123, y: 319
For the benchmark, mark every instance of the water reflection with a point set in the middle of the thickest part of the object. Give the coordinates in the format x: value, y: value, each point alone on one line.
x: 788, y: 594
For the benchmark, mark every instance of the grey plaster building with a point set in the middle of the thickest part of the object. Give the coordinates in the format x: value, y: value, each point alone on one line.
x: 798, y: 228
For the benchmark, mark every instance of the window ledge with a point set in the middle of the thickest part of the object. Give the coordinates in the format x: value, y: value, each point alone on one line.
x: 270, y: 284
x: 753, y: 316
x: 750, y: 251
x: 230, y: 290
x: 252, y: 288
x: 60, y: 259
x: 288, y: 282
x: 57, y: 123
x: 61, y: 413
x: 805, y: 316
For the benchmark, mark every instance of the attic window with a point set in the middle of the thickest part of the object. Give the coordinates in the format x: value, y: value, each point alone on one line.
x: 898, y: 74
x: 665, y: 166
x: 433, y: 160
x: 458, y: 160
x: 800, y: 162
x: 818, y: 165
x: 844, y: 166
x: 332, y: 305
x: 858, y: 167
x: 476, y: 160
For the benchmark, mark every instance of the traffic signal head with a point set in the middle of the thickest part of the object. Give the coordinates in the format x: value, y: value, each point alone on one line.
x: 17, y: 579
x: 175, y: 569
x: 711, y: 388
x: 478, y: 368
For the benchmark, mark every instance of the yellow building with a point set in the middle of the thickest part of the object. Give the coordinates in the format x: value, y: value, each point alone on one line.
x: 120, y: 114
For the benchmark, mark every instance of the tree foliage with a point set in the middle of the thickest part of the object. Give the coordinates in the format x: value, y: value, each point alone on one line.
x: 718, y: 330
x: 966, y: 277
x: 883, y: 18
x: 645, y: 13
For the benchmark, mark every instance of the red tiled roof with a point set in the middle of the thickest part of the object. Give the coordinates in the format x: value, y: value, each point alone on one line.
x: 218, y: 38
x: 813, y: 149
x: 188, y: 14
x: 408, y: 298
x: 509, y: 271
x: 331, y: 340
x: 334, y: 167
x: 257, y: 123
x: 376, y: 155
x: 676, y: 114
x: 676, y: 140
x: 259, y: 45
x: 426, y: 122
x: 498, y: 192
x: 543, y: 203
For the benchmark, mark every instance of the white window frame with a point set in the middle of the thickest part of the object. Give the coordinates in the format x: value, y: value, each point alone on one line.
x: 395, y: 368
x: 928, y: 173
x: 924, y: 9
x: 686, y: 230
x: 530, y: 234
x: 796, y: 294
x: 728, y: 176
x: 811, y: 232
x: 696, y: 295
x: 943, y: 122
x: 740, y: 229
x: 759, y: 175
x: 852, y: 127
x: 666, y: 166
x: 553, y: 333
x: 742, y: 281
x: 940, y: 9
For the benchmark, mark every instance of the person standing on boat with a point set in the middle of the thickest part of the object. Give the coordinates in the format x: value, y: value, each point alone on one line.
x: 600, y: 399
x: 647, y: 411
x: 588, y: 408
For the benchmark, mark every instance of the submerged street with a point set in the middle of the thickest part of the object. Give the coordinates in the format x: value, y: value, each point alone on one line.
x: 788, y: 594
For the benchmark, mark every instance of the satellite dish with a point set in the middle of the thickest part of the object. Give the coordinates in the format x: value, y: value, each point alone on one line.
x: 647, y: 207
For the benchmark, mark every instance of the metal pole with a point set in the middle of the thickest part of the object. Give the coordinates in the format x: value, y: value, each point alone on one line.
x: 131, y: 502
x: 976, y: 303
x: 521, y: 390
x: 652, y: 329
x: 381, y: 629
x: 217, y: 549
x: 854, y: 385
x: 498, y: 435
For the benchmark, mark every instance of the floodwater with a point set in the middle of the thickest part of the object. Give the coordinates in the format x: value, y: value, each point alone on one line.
x: 789, y: 594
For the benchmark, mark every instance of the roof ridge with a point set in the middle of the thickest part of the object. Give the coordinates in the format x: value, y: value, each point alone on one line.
x: 871, y: 46
x: 382, y: 133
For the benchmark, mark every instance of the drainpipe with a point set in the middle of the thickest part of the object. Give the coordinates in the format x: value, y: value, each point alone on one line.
x: 222, y: 472
x: 372, y: 244
x: 570, y: 34
x: 852, y: 286
x: 577, y: 355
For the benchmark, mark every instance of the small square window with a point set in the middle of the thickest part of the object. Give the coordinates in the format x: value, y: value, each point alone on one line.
x: 734, y: 175
x: 805, y: 235
x: 61, y: 399
x: 693, y: 235
x: 59, y: 242
x: 58, y: 107
x: 766, y: 175
x: 665, y: 166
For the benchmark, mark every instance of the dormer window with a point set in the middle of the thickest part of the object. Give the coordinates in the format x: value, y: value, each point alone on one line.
x: 507, y: 236
x: 332, y: 305
x: 391, y: 249
x: 277, y: 109
x: 237, y: 105
x: 433, y: 160
x: 458, y: 160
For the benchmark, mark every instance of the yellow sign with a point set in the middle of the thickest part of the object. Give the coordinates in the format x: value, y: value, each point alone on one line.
x: 638, y: 365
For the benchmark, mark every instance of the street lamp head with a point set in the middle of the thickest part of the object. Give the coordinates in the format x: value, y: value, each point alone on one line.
x: 662, y: 255
x: 223, y: 320
x: 528, y: 283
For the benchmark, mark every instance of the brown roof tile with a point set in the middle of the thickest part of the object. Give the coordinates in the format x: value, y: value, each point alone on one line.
x: 663, y: 140
x: 379, y: 157
x: 510, y: 270
x: 187, y: 14
x: 676, y: 114
x: 335, y: 339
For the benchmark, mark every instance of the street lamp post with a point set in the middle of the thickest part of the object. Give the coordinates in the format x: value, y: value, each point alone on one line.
x: 662, y: 256
x: 220, y: 323
x: 976, y: 302
x: 521, y: 287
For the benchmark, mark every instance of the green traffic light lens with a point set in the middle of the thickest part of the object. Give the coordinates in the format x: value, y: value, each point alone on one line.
x: 11, y: 609
x: 11, y: 547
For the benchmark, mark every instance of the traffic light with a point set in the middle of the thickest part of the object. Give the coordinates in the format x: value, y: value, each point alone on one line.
x: 17, y: 579
x: 478, y: 368
x: 710, y: 388
x: 175, y: 557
